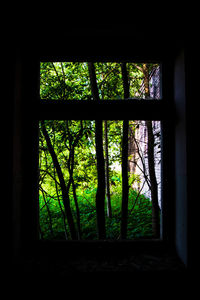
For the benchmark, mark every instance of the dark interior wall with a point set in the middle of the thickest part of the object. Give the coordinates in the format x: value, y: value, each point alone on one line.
x: 24, y: 154
x: 181, y: 158
x: 186, y: 153
x: 192, y: 150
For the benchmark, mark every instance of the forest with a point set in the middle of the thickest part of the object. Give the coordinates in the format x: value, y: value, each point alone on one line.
x: 99, y: 179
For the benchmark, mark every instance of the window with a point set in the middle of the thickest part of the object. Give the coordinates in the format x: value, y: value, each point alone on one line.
x: 71, y: 81
x: 100, y: 158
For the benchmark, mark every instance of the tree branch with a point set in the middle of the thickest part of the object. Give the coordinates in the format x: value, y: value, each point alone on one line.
x: 137, y: 67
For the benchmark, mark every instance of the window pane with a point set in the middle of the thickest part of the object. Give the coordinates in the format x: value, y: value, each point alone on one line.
x: 69, y: 171
x: 70, y: 80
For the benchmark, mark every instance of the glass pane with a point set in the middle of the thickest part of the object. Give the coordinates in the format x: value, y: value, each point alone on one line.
x: 69, y: 166
x: 71, y: 80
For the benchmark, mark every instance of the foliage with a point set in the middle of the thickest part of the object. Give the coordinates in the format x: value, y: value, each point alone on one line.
x: 70, y: 80
x: 139, y: 220
x: 80, y: 134
x: 73, y: 142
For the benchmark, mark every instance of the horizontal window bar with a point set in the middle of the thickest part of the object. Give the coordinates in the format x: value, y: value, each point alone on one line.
x: 109, y: 109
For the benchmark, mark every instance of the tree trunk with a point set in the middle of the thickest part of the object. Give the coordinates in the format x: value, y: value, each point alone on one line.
x: 62, y: 212
x: 109, y: 209
x: 100, y: 195
x: 65, y: 194
x: 48, y: 212
x: 57, y: 193
x: 125, y: 187
x: 71, y: 180
x: 131, y: 149
x: 77, y: 209
x: 151, y: 165
x: 72, y: 144
x: 153, y: 181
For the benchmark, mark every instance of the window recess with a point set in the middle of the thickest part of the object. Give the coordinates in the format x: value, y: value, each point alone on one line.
x: 100, y: 122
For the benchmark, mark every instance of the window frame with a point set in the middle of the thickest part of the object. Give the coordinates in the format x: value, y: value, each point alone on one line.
x: 134, y: 109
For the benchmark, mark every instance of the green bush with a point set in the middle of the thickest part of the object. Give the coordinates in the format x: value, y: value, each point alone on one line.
x: 139, y: 216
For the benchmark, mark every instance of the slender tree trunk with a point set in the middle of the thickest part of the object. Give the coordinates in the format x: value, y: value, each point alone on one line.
x: 125, y: 187
x: 131, y: 150
x: 71, y: 170
x: 62, y: 212
x: 153, y: 181
x: 58, y: 197
x: 100, y: 195
x: 109, y: 209
x: 70, y: 164
x: 65, y: 194
x: 48, y: 212
x: 151, y: 165
x: 77, y: 209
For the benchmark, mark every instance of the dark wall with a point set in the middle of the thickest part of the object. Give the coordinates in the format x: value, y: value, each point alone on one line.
x: 181, y: 234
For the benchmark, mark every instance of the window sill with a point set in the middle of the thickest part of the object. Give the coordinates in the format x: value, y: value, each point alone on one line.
x: 66, y: 258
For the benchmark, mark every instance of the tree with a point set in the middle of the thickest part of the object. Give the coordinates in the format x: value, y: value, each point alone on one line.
x: 100, y: 195
x: 65, y: 195
x: 73, y: 140
x: 107, y: 177
x: 151, y: 164
x: 145, y: 69
x: 81, y: 159
x: 125, y: 186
